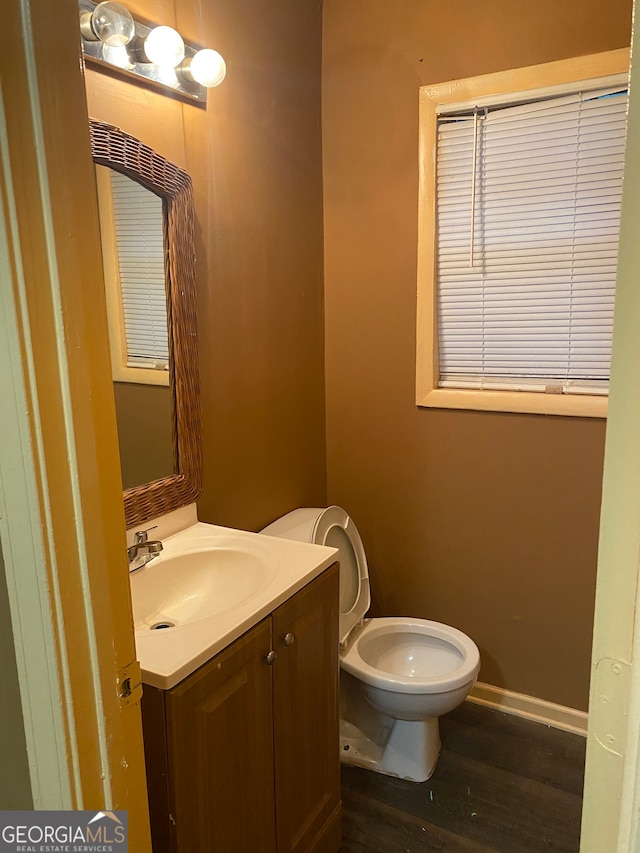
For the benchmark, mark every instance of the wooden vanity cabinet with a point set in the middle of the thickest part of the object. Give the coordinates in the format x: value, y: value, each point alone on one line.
x: 243, y: 756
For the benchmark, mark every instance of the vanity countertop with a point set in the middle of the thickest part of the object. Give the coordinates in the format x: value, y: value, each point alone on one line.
x: 212, y: 584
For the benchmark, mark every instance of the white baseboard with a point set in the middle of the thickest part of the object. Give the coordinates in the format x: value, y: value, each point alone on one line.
x: 530, y: 708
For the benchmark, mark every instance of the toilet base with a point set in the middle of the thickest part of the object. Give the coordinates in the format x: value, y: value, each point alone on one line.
x: 410, y: 752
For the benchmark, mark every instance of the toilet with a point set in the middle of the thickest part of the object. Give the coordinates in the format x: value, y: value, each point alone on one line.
x: 398, y: 674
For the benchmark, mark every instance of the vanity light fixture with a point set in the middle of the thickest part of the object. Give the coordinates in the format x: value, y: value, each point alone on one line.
x: 113, y: 40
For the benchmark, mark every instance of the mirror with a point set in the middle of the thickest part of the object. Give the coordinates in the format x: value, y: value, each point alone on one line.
x: 131, y: 230
x: 149, y: 259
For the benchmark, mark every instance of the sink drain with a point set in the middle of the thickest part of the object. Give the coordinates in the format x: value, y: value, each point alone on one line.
x: 160, y: 625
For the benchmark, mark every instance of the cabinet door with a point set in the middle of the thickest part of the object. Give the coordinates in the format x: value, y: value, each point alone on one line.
x: 306, y: 718
x: 220, y: 748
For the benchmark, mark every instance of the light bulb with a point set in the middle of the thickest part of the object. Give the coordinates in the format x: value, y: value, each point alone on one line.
x: 208, y: 68
x: 164, y: 46
x: 109, y: 23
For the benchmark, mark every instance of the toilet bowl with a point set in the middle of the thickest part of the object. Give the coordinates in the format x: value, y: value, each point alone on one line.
x: 398, y: 674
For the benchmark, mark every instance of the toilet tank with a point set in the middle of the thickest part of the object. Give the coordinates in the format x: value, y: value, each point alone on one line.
x: 298, y: 524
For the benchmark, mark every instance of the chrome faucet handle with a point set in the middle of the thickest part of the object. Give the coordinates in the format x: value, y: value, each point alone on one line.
x: 141, y: 536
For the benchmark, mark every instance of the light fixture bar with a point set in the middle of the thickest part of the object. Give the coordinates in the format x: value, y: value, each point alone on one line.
x: 126, y: 60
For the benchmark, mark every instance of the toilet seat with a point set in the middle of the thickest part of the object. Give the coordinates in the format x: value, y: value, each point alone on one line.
x: 392, y: 653
x: 334, y: 527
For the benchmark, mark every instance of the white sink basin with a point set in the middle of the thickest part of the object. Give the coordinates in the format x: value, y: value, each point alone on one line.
x: 178, y: 589
x: 206, y: 588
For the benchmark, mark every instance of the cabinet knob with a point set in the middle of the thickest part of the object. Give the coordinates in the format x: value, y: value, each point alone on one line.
x: 288, y: 639
x: 270, y: 657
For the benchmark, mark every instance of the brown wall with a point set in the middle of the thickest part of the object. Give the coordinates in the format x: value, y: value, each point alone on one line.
x: 484, y: 521
x: 255, y: 160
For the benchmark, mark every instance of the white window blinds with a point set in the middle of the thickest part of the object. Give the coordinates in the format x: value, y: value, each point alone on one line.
x: 528, y: 208
x: 138, y: 220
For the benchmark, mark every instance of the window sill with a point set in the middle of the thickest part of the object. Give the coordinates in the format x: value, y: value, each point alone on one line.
x: 139, y: 375
x: 571, y: 405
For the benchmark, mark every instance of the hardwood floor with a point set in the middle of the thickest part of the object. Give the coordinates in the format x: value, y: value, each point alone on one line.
x: 502, y: 784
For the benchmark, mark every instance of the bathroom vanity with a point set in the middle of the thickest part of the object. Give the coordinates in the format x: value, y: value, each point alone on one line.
x: 242, y: 753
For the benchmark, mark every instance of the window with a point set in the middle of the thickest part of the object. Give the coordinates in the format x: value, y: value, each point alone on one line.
x: 519, y: 220
x: 131, y: 225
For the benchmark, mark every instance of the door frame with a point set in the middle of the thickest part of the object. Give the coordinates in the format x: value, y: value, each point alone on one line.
x: 611, y: 807
x: 62, y: 524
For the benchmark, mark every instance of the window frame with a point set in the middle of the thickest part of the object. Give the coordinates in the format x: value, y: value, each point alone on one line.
x: 528, y: 82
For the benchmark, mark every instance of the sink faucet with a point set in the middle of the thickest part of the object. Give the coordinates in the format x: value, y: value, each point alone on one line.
x: 143, y: 550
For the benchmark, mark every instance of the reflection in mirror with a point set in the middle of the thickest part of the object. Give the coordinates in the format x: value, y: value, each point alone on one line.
x: 150, y: 397
x: 131, y: 228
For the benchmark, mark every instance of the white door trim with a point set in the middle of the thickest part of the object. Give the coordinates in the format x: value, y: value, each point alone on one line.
x: 612, y: 784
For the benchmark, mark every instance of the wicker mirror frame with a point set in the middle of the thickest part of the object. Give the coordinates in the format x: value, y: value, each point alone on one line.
x: 124, y: 153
